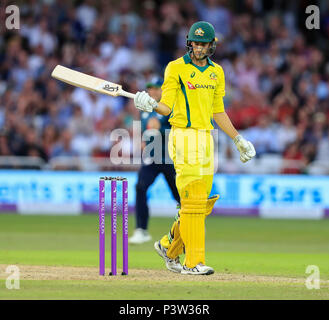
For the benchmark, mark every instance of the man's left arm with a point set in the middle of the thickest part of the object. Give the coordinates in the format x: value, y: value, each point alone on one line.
x: 246, y: 148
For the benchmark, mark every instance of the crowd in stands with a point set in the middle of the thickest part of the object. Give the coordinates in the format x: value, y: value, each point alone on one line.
x: 277, y: 72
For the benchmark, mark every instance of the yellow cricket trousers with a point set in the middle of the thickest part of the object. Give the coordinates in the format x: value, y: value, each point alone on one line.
x: 192, y: 152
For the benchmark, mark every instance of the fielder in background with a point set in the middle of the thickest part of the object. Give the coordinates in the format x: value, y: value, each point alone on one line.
x: 192, y: 93
x: 150, y: 170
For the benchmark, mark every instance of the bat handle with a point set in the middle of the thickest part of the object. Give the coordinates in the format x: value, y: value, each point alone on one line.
x: 127, y: 94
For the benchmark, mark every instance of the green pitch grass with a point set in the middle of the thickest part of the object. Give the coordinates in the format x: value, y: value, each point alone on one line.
x: 253, y: 259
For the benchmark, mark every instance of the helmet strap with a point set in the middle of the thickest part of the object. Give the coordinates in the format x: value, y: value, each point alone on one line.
x: 210, y: 51
x: 204, y: 57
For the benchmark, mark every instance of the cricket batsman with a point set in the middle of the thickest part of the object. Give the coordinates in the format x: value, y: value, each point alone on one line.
x: 192, y: 94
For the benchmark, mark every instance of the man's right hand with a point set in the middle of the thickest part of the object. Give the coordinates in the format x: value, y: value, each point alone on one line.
x: 144, y: 102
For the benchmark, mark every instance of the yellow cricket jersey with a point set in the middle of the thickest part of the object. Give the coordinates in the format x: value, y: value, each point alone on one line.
x: 193, y: 93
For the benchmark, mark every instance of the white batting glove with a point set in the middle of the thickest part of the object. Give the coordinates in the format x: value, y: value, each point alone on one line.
x: 144, y: 102
x: 246, y: 148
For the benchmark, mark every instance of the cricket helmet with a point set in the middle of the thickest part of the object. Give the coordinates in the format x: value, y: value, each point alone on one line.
x: 202, y: 31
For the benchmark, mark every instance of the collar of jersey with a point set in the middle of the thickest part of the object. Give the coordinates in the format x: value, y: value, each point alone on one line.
x: 187, y: 59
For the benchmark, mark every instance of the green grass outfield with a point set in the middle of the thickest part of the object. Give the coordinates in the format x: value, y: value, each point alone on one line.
x: 253, y: 259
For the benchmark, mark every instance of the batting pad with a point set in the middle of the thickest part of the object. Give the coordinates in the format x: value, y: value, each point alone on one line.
x: 192, y: 222
x: 210, y: 203
x: 177, y: 246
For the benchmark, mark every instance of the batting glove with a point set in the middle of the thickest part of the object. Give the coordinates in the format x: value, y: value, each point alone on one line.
x: 144, y: 102
x: 246, y: 148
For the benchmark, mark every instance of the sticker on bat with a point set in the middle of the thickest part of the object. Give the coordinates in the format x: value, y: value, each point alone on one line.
x: 109, y: 88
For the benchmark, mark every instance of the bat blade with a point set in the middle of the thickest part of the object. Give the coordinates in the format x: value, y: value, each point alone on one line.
x: 82, y: 80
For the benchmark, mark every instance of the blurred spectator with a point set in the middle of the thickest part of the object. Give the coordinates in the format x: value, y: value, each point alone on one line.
x: 20, y: 72
x: 64, y: 146
x: 319, y: 87
x: 286, y: 133
x: 49, y: 138
x: 86, y: 100
x: 31, y: 146
x: 309, y: 153
x: 251, y: 108
x: 116, y: 106
x: 323, y: 147
x: 171, y: 21
x: 216, y: 13
x: 247, y: 71
x: 126, y: 18
x: 293, y: 159
x: 119, y: 56
x: 102, y: 142
x: 80, y: 125
x: 274, y: 56
x: 263, y: 136
x: 39, y: 34
x: 142, y: 58
x: 81, y: 129
x: 86, y: 14
x: 235, y: 112
x: 4, y: 145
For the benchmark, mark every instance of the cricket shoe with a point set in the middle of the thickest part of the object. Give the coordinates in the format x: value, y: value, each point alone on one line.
x: 199, y: 269
x: 171, y: 264
x: 140, y: 236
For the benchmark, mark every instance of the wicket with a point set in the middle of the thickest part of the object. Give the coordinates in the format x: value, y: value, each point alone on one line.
x: 113, y: 225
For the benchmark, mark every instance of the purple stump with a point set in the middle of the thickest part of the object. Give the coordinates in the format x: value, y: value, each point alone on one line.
x: 113, y: 227
x: 125, y: 226
x: 101, y: 210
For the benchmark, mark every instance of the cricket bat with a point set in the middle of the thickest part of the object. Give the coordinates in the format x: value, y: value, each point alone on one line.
x: 82, y: 80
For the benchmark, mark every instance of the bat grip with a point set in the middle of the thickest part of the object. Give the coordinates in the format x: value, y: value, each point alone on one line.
x: 127, y: 94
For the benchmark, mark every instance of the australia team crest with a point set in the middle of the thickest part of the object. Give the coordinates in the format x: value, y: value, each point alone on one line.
x: 199, y: 32
x: 213, y: 76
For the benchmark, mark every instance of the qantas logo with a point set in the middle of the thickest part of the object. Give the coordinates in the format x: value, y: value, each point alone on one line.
x: 201, y: 86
